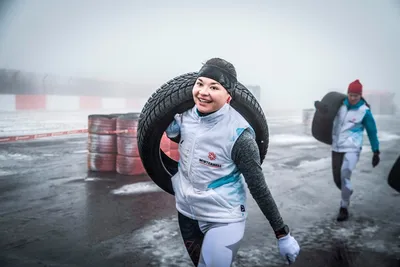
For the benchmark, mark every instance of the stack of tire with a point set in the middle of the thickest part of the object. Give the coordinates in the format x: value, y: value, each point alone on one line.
x: 128, y: 161
x: 102, y: 144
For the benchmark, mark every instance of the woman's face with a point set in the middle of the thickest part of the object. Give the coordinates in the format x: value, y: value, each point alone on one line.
x: 354, y: 98
x: 209, y: 95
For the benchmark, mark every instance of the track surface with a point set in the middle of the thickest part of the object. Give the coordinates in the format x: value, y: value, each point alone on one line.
x: 53, y: 212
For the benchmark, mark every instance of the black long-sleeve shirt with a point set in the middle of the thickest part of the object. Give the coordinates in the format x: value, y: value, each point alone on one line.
x: 245, y: 154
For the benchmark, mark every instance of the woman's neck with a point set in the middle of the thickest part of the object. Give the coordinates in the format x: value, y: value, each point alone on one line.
x: 202, y: 114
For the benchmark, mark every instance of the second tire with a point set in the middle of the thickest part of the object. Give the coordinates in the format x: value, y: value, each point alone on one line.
x: 322, y: 124
x: 394, y: 176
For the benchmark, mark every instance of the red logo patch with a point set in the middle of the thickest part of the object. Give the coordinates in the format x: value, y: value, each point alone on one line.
x: 212, y: 156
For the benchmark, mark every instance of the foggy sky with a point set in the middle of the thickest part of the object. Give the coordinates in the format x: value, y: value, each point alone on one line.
x: 296, y: 50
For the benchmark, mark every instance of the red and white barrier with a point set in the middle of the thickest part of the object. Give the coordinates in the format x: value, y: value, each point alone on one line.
x: 68, y: 103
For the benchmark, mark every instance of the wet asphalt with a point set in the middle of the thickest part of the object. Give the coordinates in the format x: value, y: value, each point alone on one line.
x: 54, y: 212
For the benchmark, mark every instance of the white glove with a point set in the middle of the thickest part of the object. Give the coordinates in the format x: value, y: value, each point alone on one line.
x: 174, y: 128
x: 288, y: 248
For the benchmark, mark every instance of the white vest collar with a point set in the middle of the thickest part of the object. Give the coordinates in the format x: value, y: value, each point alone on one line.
x: 213, y: 117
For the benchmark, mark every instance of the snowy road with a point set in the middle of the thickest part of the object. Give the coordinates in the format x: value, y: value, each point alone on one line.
x: 54, y: 213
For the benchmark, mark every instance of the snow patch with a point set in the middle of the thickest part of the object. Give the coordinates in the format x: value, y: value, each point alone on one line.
x: 305, y: 147
x: 370, y: 229
x: 314, y: 164
x: 15, y: 156
x: 81, y: 151
x: 287, y: 139
x: 76, y: 142
x: 6, y: 173
x: 160, y: 240
x: 256, y: 256
x: 386, y: 136
x: 137, y: 188
x: 93, y: 179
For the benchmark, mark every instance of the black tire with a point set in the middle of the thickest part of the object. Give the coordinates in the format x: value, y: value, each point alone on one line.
x: 322, y: 123
x: 174, y: 97
x: 394, y: 176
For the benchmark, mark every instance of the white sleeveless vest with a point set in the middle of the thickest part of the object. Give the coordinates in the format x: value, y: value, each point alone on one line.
x: 208, y: 186
x: 348, y: 129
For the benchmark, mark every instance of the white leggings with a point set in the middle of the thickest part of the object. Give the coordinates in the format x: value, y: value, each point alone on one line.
x: 349, y: 164
x: 221, y: 243
x: 211, y: 244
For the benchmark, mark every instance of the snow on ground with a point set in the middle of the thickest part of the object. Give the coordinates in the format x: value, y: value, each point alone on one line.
x: 137, y: 188
x: 6, y: 173
x: 304, y: 147
x: 95, y: 179
x: 282, y: 120
x: 15, y: 156
x: 311, y: 165
x: 387, y: 136
x: 288, y: 139
x: 160, y: 240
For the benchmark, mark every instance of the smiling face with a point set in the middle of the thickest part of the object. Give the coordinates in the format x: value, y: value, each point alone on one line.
x: 209, y: 95
x: 353, y: 98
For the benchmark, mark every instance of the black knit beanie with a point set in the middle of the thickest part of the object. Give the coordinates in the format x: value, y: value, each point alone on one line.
x: 221, y: 71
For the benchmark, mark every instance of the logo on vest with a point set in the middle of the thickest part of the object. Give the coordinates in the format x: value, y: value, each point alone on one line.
x: 210, y: 164
x: 242, y: 209
x: 212, y: 156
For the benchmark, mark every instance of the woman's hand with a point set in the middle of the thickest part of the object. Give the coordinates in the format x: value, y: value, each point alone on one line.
x: 288, y: 248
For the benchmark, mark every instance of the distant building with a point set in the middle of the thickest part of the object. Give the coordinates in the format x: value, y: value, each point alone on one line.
x: 381, y: 102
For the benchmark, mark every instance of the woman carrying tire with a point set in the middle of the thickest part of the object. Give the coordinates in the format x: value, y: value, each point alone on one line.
x: 353, y: 116
x: 217, y: 146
